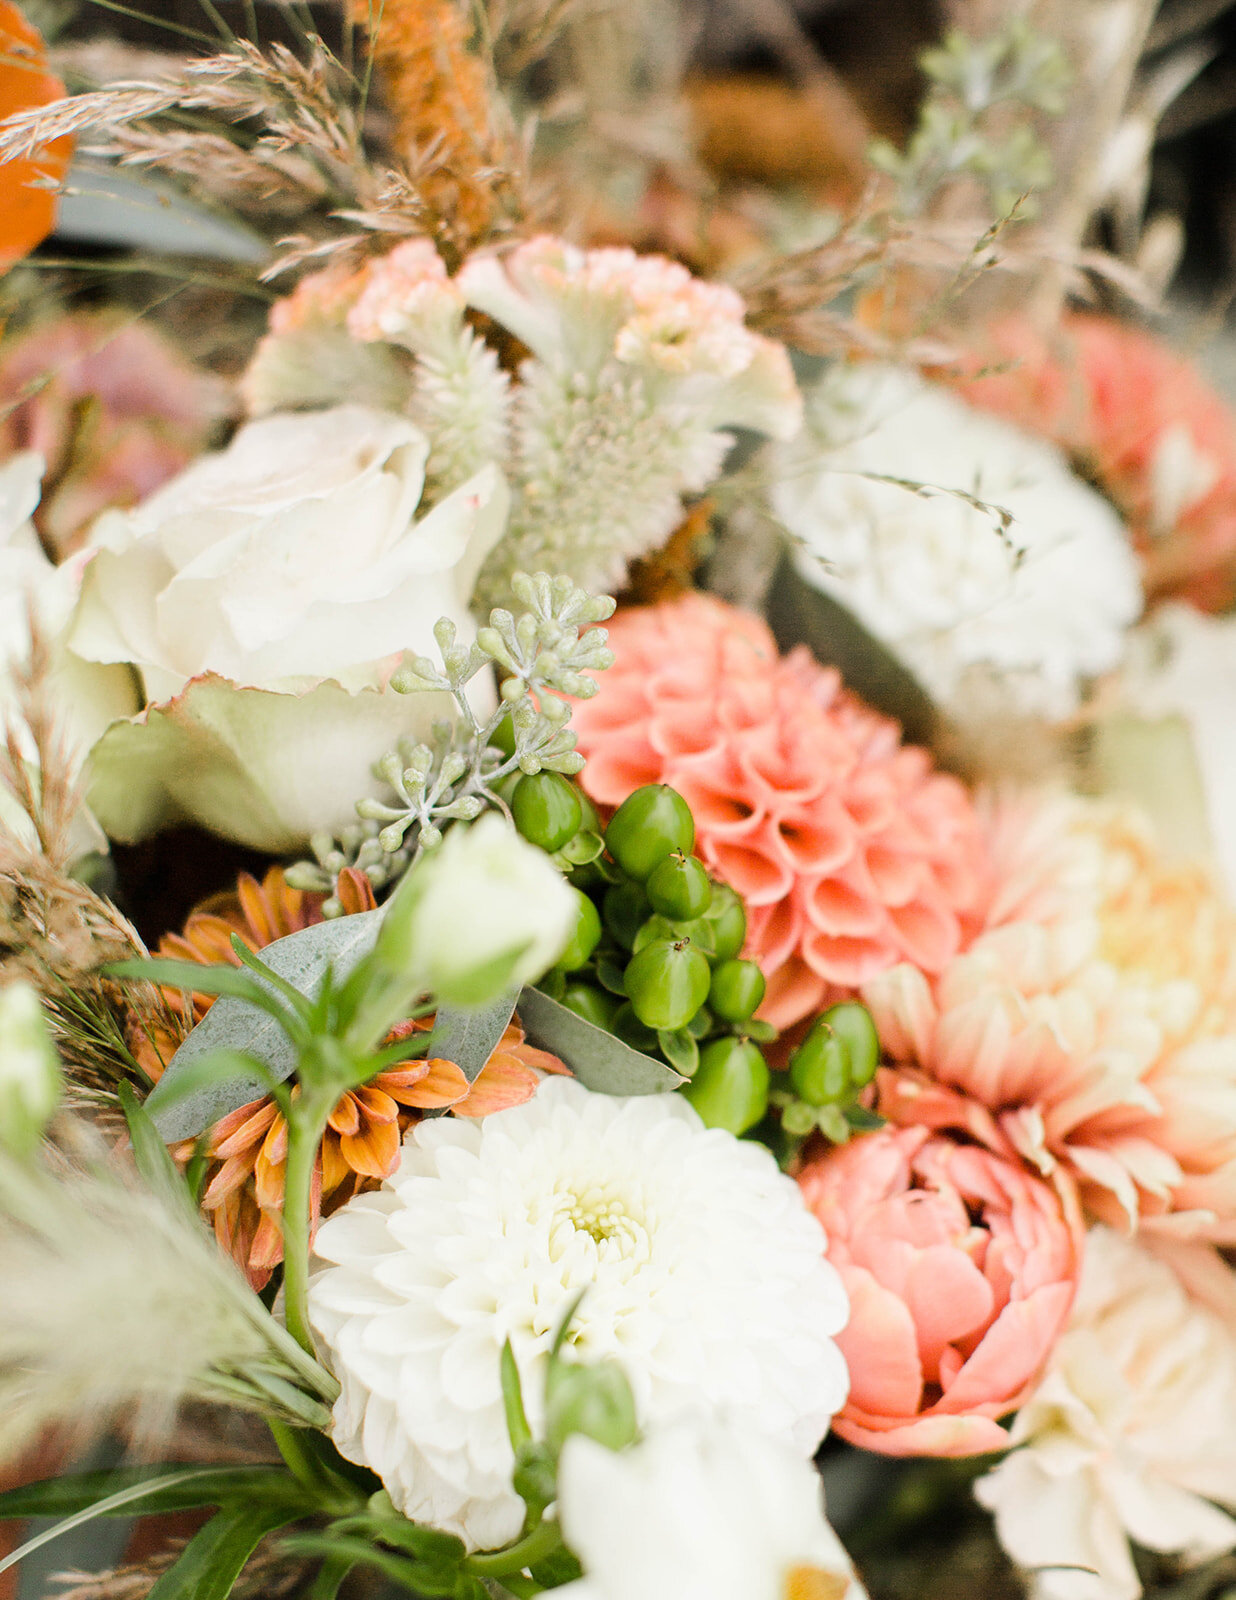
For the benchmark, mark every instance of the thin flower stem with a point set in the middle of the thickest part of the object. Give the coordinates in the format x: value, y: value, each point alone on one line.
x: 298, y: 1458
x: 544, y: 1540
x: 306, y: 1126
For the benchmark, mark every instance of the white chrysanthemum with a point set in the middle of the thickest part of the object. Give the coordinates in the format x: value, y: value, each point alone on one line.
x: 1037, y: 608
x: 699, y: 1511
x: 1132, y: 1432
x: 704, y: 1274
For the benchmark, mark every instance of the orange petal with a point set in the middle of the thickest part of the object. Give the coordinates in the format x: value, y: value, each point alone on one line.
x: 241, y: 1128
x: 354, y: 892
x: 441, y: 1084
x: 27, y: 213
x: 345, y: 1118
x: 373, y: 1152
x: 335, y: 1169
x: 275, y: 1144
x: 269, y: 1181
x: 266, y: 1250
x: 230, y: 1176
x: 375, y: 1105
x: 259, y: 924
x: 501, y: 1083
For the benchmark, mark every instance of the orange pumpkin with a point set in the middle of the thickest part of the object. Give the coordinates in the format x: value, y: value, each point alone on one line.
x: 27, y: 214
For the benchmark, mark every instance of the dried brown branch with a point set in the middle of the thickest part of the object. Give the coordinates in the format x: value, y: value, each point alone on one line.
x: 268, y: 1575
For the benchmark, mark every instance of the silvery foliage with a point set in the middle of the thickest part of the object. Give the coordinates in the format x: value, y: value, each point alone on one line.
x: 543, y: 653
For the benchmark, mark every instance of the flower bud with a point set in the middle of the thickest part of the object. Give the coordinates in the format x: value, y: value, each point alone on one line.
x: 30, y: 1076
x: 483, y: 912
x: 594, y: 1400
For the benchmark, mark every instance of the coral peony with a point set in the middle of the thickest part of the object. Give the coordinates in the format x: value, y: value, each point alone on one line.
x: 1095, y: 1031
x: 960, y: 1268
x: 1145, y: 426
x: 114, y: 409
x: 851, y: 853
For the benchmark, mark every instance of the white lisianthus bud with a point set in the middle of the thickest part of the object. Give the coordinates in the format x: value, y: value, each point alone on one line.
x: 30, y: 1076
x: 485, y: 911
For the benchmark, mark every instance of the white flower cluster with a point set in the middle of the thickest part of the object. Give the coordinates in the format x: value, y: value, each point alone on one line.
x: 894, y: 491
x: 703, y: 1275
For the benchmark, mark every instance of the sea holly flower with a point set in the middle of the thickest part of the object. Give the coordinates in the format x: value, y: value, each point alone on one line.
x: 966, y: 547
x: 704, y: 1274
x: 699, y: 1510
x: 265, y: 596
x: 246, y: 1151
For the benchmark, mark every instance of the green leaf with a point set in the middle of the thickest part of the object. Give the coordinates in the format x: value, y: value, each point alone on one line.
x: 513, y: 1400
x: 219, y: 1069
x: 413, y: 1576
x: 199, y: 977
x: 151, y: 1155
x: 799, y: 613
x: 597, y: 1059
x: 680, y: 1049
x: 302, y: 959
x: 468, y: 1036
x: 862, y: 1120
x: 173, y: 1488
x: 215, y: 1556
x: 120, y: 1500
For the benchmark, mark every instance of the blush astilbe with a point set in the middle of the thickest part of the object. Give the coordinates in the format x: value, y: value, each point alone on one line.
x: 1095, y: 1032
x: 960, y: 1267
x: 849, y: 850
x: 247, y: 1149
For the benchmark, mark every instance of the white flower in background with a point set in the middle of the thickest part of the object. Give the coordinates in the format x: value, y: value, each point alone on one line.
x: 30, y: 1074
x: 30, y: 585
x: 265, y: 596
x: 703, y: 1269
x: 700, y: 1510
x: 482, y: 912
x: 1182, y: 666
x: 1039, y: 608
x: 1132, y: 1432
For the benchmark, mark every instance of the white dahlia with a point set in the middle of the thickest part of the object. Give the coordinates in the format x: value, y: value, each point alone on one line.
x: 703, y: 1268
x: 1034, y: 609
x: 699, y: 1511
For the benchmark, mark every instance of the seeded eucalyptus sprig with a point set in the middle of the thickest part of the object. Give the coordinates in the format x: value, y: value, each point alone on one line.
x: 541, y: 654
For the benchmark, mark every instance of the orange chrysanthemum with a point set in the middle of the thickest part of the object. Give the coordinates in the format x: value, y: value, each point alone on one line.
x: 850, y: 851
x: 247, y: 1149
x: 27, y: 208
x: 1144, y: 424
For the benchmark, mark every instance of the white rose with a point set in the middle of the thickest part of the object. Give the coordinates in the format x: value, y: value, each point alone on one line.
x: 265, y: 596
x: 84, y: 703
x: 484, y: 912
x: 700, y: 1510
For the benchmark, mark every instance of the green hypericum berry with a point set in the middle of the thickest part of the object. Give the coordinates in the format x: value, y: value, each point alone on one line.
x: 503, y: 737
x: 625, y: 909
x: 730, y: 1086
x: 852, y: 1022
x: 632, y: 1031
x: 820, y: 1068
x: 593, y: 1005
x: 729, y: 922
x: 736, y: 990
x: 546, y: 809
x: 648, y: 826
x: 667, y: 983
x: 679, y: 887
x: 585, y: 936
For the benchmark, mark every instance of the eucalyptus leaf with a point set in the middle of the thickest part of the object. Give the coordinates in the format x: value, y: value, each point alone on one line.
x: 469, y: 1035
x: 598, y: 1059
x: 234, y: 1025
x: 799, y: 613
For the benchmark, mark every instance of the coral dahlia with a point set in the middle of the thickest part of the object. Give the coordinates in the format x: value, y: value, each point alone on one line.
x: 850, y: 851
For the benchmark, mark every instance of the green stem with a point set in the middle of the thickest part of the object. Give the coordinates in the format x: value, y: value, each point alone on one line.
x: 298, y: 1458
x: 534, y: 1547
x: 306, y: 1126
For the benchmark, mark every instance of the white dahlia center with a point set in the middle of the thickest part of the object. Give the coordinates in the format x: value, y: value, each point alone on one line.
x: 604, y: 1220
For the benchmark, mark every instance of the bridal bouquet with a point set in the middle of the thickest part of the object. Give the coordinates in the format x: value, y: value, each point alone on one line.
x: 615, y: 859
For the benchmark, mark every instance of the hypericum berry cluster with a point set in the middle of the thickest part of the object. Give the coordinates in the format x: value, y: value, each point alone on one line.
x: 654, y: 958
x: 828, y: 1072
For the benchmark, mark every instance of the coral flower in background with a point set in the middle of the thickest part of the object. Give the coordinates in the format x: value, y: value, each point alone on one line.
x: 851, y: 852
x: 247, y: 1149
x: 1095, y: 1031
x: 27, y: 205
x: 114, y: 409
x: 960, y: 1267
x: 1148, y: 429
